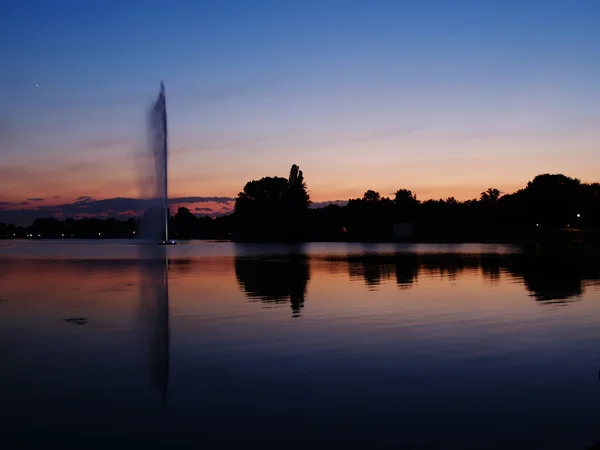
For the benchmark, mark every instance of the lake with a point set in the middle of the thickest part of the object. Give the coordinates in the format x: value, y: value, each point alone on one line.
x: 329, y: 345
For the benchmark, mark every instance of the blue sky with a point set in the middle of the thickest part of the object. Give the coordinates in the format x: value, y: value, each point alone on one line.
x: 441, y: 97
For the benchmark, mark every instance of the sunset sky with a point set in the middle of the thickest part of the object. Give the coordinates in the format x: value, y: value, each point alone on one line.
x: 445, y: 98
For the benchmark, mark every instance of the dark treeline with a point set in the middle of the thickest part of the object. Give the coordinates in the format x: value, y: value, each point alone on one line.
x: 278, y: 209
x: 183, y: 225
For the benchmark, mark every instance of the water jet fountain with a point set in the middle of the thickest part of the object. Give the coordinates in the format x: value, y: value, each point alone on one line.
x: 155, y: 224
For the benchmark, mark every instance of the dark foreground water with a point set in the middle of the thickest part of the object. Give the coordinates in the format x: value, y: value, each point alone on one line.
x: 317, y: 346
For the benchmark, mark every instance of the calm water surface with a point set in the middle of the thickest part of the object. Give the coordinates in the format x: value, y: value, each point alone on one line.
x: 105, y: 345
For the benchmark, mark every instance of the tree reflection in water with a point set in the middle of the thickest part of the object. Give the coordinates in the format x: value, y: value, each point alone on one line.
x: 552, y: 278
x: 275, y: 279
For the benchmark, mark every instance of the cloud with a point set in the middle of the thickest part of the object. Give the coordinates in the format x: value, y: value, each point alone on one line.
x: 224, y: 200
x: 316, y: 205
x: 120, y: 207
x: 35, y: 199
x: 7, y: 206
x: 91, y: 206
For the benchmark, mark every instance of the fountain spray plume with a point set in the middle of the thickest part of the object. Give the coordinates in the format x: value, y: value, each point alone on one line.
x: 154, y: 187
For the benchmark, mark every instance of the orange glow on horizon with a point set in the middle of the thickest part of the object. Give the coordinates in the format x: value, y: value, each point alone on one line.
x: 432, y: 165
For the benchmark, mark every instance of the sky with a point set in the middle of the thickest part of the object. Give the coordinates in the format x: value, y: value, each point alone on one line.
x: 445, y: 98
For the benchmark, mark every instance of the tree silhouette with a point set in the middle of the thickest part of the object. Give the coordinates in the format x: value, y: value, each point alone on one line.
x: 263, y: 196
x: 273, y: 207
x: 184, y: 223
x: 297, y: 203
x: 297, y: 196
x: 405, y: 197
x: 554, y: 199
x: 406, y: 205
x: 371, y: 196
x: 491, y: 195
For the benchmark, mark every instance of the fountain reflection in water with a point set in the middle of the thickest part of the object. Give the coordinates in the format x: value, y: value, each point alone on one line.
x: 154, y: 313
